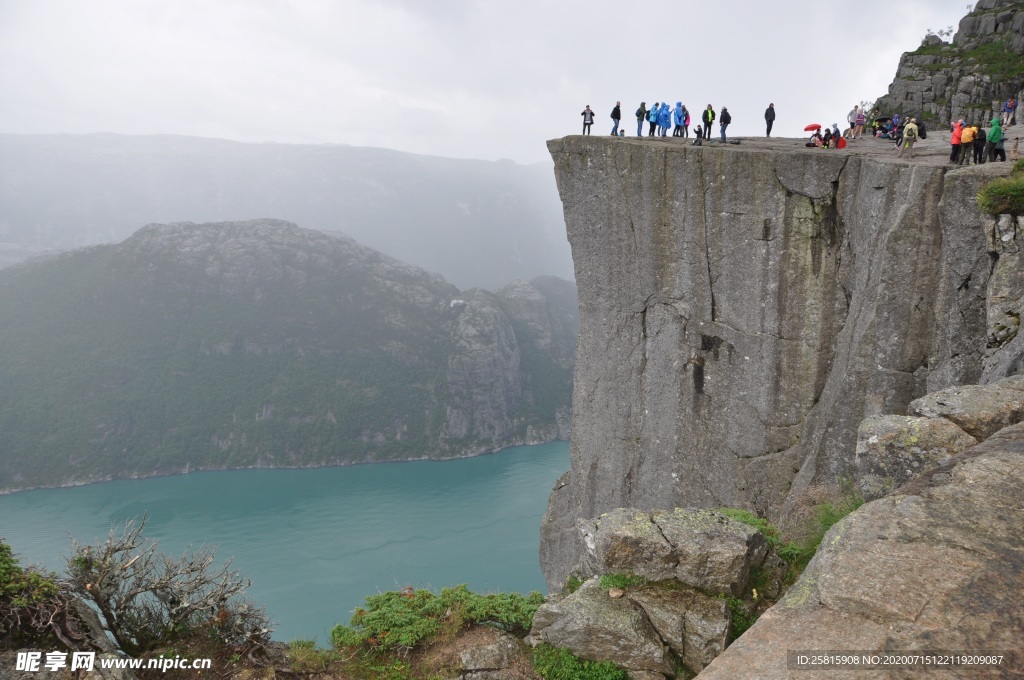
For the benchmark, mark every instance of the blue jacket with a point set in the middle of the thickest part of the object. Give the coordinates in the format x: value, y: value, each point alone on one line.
x: 664, y: 116
x: 680, y: 116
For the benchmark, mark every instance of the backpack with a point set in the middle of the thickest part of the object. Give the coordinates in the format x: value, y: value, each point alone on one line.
x: 921, y: 132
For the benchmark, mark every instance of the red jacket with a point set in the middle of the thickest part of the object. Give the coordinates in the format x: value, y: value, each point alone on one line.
x: 958, y: 130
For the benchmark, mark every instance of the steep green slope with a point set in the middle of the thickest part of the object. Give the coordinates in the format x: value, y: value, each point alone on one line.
x: 257, y: 344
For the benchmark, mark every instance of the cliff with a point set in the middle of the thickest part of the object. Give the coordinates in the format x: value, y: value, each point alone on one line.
x: 971, y: 76
x: 261, y: 344
x: 744, y: 308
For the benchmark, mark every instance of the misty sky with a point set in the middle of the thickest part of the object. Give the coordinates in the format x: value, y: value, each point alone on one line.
x: 461, y: 78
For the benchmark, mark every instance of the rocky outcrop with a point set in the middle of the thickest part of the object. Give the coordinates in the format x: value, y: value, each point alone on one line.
x: 970, y: 77
x: 688, y: 560
x: 938, y: 565
x: 702, y: 549
x: 743, y: 310
x: 891, y: 450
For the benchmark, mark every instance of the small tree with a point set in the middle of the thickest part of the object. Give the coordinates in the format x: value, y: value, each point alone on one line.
x: 145, y: 599
x: 33, y: 607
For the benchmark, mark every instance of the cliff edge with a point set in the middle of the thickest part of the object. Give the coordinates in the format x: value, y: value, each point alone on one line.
x: 743, y: 308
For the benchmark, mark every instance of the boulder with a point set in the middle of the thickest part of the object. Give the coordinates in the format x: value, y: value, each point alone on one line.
x: 715, y: 553
x: 695, y: 626
x: 939, y: 568
x: 892, y: 449
x: 594, y: 626
x: 490, y: 657
x: 979, y: 410
x: 625, y: 540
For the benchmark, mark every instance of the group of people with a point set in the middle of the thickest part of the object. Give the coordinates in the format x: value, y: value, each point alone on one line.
x: 968, y: 141
x: 971, y: 141
x: 661, y: 118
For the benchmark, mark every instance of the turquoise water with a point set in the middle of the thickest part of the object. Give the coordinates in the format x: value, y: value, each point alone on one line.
x: 316, y: 542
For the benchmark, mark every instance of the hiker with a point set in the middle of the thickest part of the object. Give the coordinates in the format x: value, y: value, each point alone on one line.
x: 909, y: 138
x: 708, y: 117
x: 859, y: 121
x: 826, y: 139
x: 851, y: 118
x: 1008, y: 108
x: 616, y: 117
x: 954, y: 140
x: 664, y: 118
x: 979, y: 145
x: 588, y: 119
x: 679, y: 116
x: 836, y: 135
x: 686, y: 122
x: 698, y: 139
x: 967, y: 134
x: 769, y: 119
x: 652, y: 118
x: 993, y: 137
x: 641, y: 116
x: 724, y: 121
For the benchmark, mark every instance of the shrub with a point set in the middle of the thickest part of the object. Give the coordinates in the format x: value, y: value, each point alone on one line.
x: 1003, y: 195
x: 401, y: 619
x: 573, y: 584
x: 146, y: 599
x: 555, y: 663
x: 33, y: 607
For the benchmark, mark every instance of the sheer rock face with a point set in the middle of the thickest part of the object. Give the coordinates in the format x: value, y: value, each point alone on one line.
x: 742, y: 310
x: 946, y: 81
x: 938, y: 565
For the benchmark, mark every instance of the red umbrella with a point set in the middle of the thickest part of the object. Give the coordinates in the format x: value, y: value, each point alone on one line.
x: 812, y: 126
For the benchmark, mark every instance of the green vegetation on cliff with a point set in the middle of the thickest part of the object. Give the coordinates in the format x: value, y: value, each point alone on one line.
x: 1004, y: 195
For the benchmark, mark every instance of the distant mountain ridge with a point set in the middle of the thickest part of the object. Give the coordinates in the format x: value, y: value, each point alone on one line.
x: 479, y: 223
x: 260, y: 343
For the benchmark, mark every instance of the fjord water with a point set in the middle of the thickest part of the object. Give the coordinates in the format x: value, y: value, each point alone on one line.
x: 316, y: 542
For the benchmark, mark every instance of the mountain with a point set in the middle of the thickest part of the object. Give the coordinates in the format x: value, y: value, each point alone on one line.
x: 479, y: 223
x: 971, y: 77
x: 260, y: 343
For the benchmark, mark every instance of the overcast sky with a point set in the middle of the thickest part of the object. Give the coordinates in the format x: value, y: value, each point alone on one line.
x: 484, y: 79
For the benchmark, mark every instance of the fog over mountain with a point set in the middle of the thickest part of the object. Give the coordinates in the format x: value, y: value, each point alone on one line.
x: 479, y: 223
x: 259, y: 343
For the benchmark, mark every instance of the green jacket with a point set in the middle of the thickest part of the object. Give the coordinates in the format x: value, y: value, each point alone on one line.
x: 996, y: 133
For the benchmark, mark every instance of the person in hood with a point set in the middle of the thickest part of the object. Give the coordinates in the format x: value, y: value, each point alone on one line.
x: 679, y: 116
x: 995, y: 135
x: 664, y: 118
x: 652, y: 118
x: 641, y: 116
x: 686, y: 122
x: 769, y: 119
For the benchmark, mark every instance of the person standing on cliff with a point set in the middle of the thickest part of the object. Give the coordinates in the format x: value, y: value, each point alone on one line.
x: 992, y: 139
x: 678, y: 116
x: 769, y: 119
x: 954, y: 140
x: 967, y: 134
x: 909, y: 138
x: 708, y: 117
x: 616, y: 117
x: 588, y: 119
x: 641, y: 116
x: 652, y: 118
x: 664, y: 119
x: 851, y: 118
x: 724, y: 121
